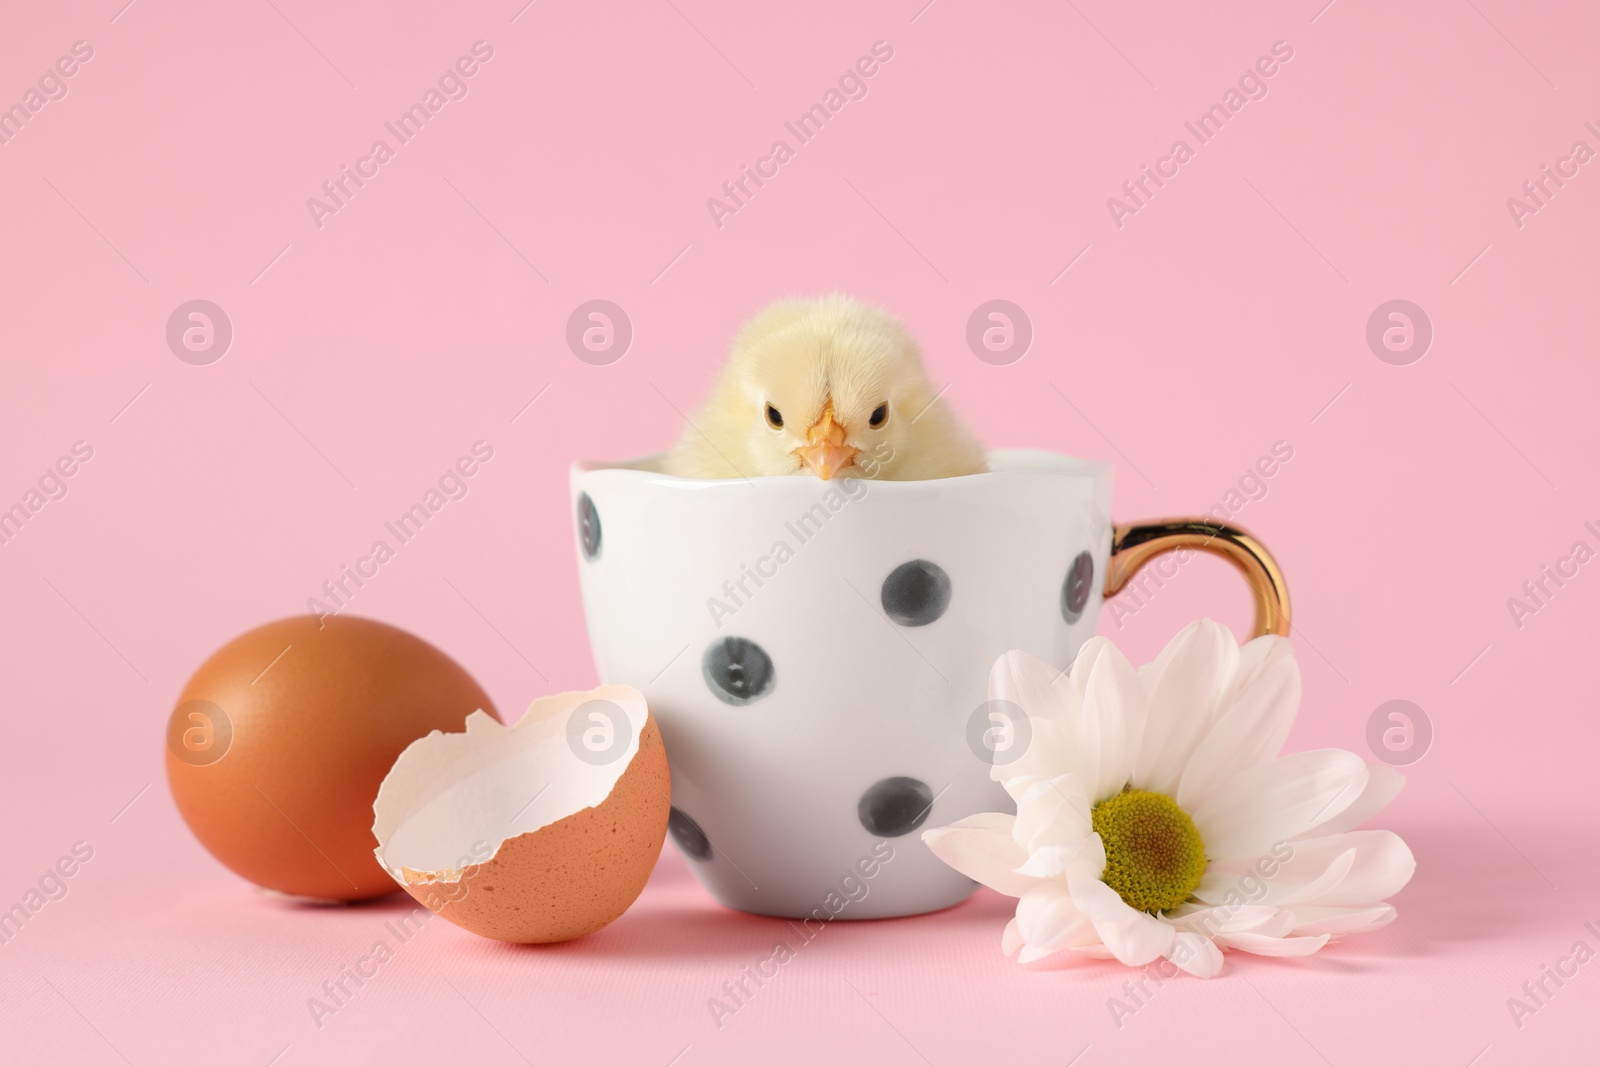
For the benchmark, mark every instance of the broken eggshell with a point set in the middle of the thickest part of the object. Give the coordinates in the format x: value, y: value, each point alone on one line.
x: 543, y: 831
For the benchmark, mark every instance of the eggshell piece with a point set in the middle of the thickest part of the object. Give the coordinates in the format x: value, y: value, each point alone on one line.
x: 560, y: 865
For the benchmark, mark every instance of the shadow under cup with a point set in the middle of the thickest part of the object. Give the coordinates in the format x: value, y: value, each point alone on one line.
x: 817, y: 655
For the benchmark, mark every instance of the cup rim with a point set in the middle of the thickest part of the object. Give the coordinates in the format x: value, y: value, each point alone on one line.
x: 1004, y: 463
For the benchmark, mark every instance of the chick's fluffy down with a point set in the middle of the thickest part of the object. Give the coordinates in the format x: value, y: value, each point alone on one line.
x: 801, y: 357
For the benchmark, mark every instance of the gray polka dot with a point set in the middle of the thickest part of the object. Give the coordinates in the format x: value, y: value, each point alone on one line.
x: 588, y: 526
x: 1076, y: 589
x: 895, y: 806
x: 692, y: 841
x: 916, y: 593
x: 738, y: 670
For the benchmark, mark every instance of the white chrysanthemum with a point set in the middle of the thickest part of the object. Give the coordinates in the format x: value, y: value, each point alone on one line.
x: 1156, y: 819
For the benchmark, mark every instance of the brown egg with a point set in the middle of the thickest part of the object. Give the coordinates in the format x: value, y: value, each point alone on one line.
x: 543, y: 831
x: 280, y: 740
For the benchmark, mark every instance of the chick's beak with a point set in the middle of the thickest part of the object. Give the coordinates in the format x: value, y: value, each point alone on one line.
x: 826, y: 453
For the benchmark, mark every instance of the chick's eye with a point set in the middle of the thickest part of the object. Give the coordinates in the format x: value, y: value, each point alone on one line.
x: 880, y: 415
x: 774, y: 417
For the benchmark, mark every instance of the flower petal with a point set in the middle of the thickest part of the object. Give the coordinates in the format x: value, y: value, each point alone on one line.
x: 1230, y: 919
x: 1184, y: 684
x: 1052, y: 861
x: 1110, y: 720
x: 1250, y: 731
x: 1048, y: 920
x: 1270, y: 803
x: 1133, y: 937
x: 1255, y: 657
x: 1271, y: 879
x: 1011, y: 939
x: 1053, y: 811
x: 1030, y: 683
x: 1337, y: 870
x: 1196, y: 955
x: 1336, y: 921
x: 1050, y: 702
x: 1083, y: 663
x: 1316, y: 871
x: 1048, y: 753
x: 982, y: 847
x: 1383, y: 785
x: 1261, y: 945
x: 1382, y: 866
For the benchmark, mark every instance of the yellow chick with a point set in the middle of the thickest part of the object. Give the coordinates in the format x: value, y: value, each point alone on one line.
x: 827, y: 387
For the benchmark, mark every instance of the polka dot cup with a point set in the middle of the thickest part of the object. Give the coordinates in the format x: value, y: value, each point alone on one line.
x: 817, y: 655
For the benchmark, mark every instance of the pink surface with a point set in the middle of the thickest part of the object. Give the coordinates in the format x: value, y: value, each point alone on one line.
x: 1228, y: 313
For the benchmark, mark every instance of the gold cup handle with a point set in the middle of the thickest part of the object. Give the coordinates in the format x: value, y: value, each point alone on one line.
x: 1135, y: 544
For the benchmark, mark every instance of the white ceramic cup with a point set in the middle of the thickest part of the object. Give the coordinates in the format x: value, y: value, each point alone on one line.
x: 817, y: 655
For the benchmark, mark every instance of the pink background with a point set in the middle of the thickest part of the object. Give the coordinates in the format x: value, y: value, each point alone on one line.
x: 1226, y: 315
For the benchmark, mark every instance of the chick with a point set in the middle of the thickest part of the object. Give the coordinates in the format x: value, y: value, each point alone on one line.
x: 827, y: 387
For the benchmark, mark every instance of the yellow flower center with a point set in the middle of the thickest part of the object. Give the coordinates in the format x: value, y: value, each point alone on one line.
x: 1154, y: 855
